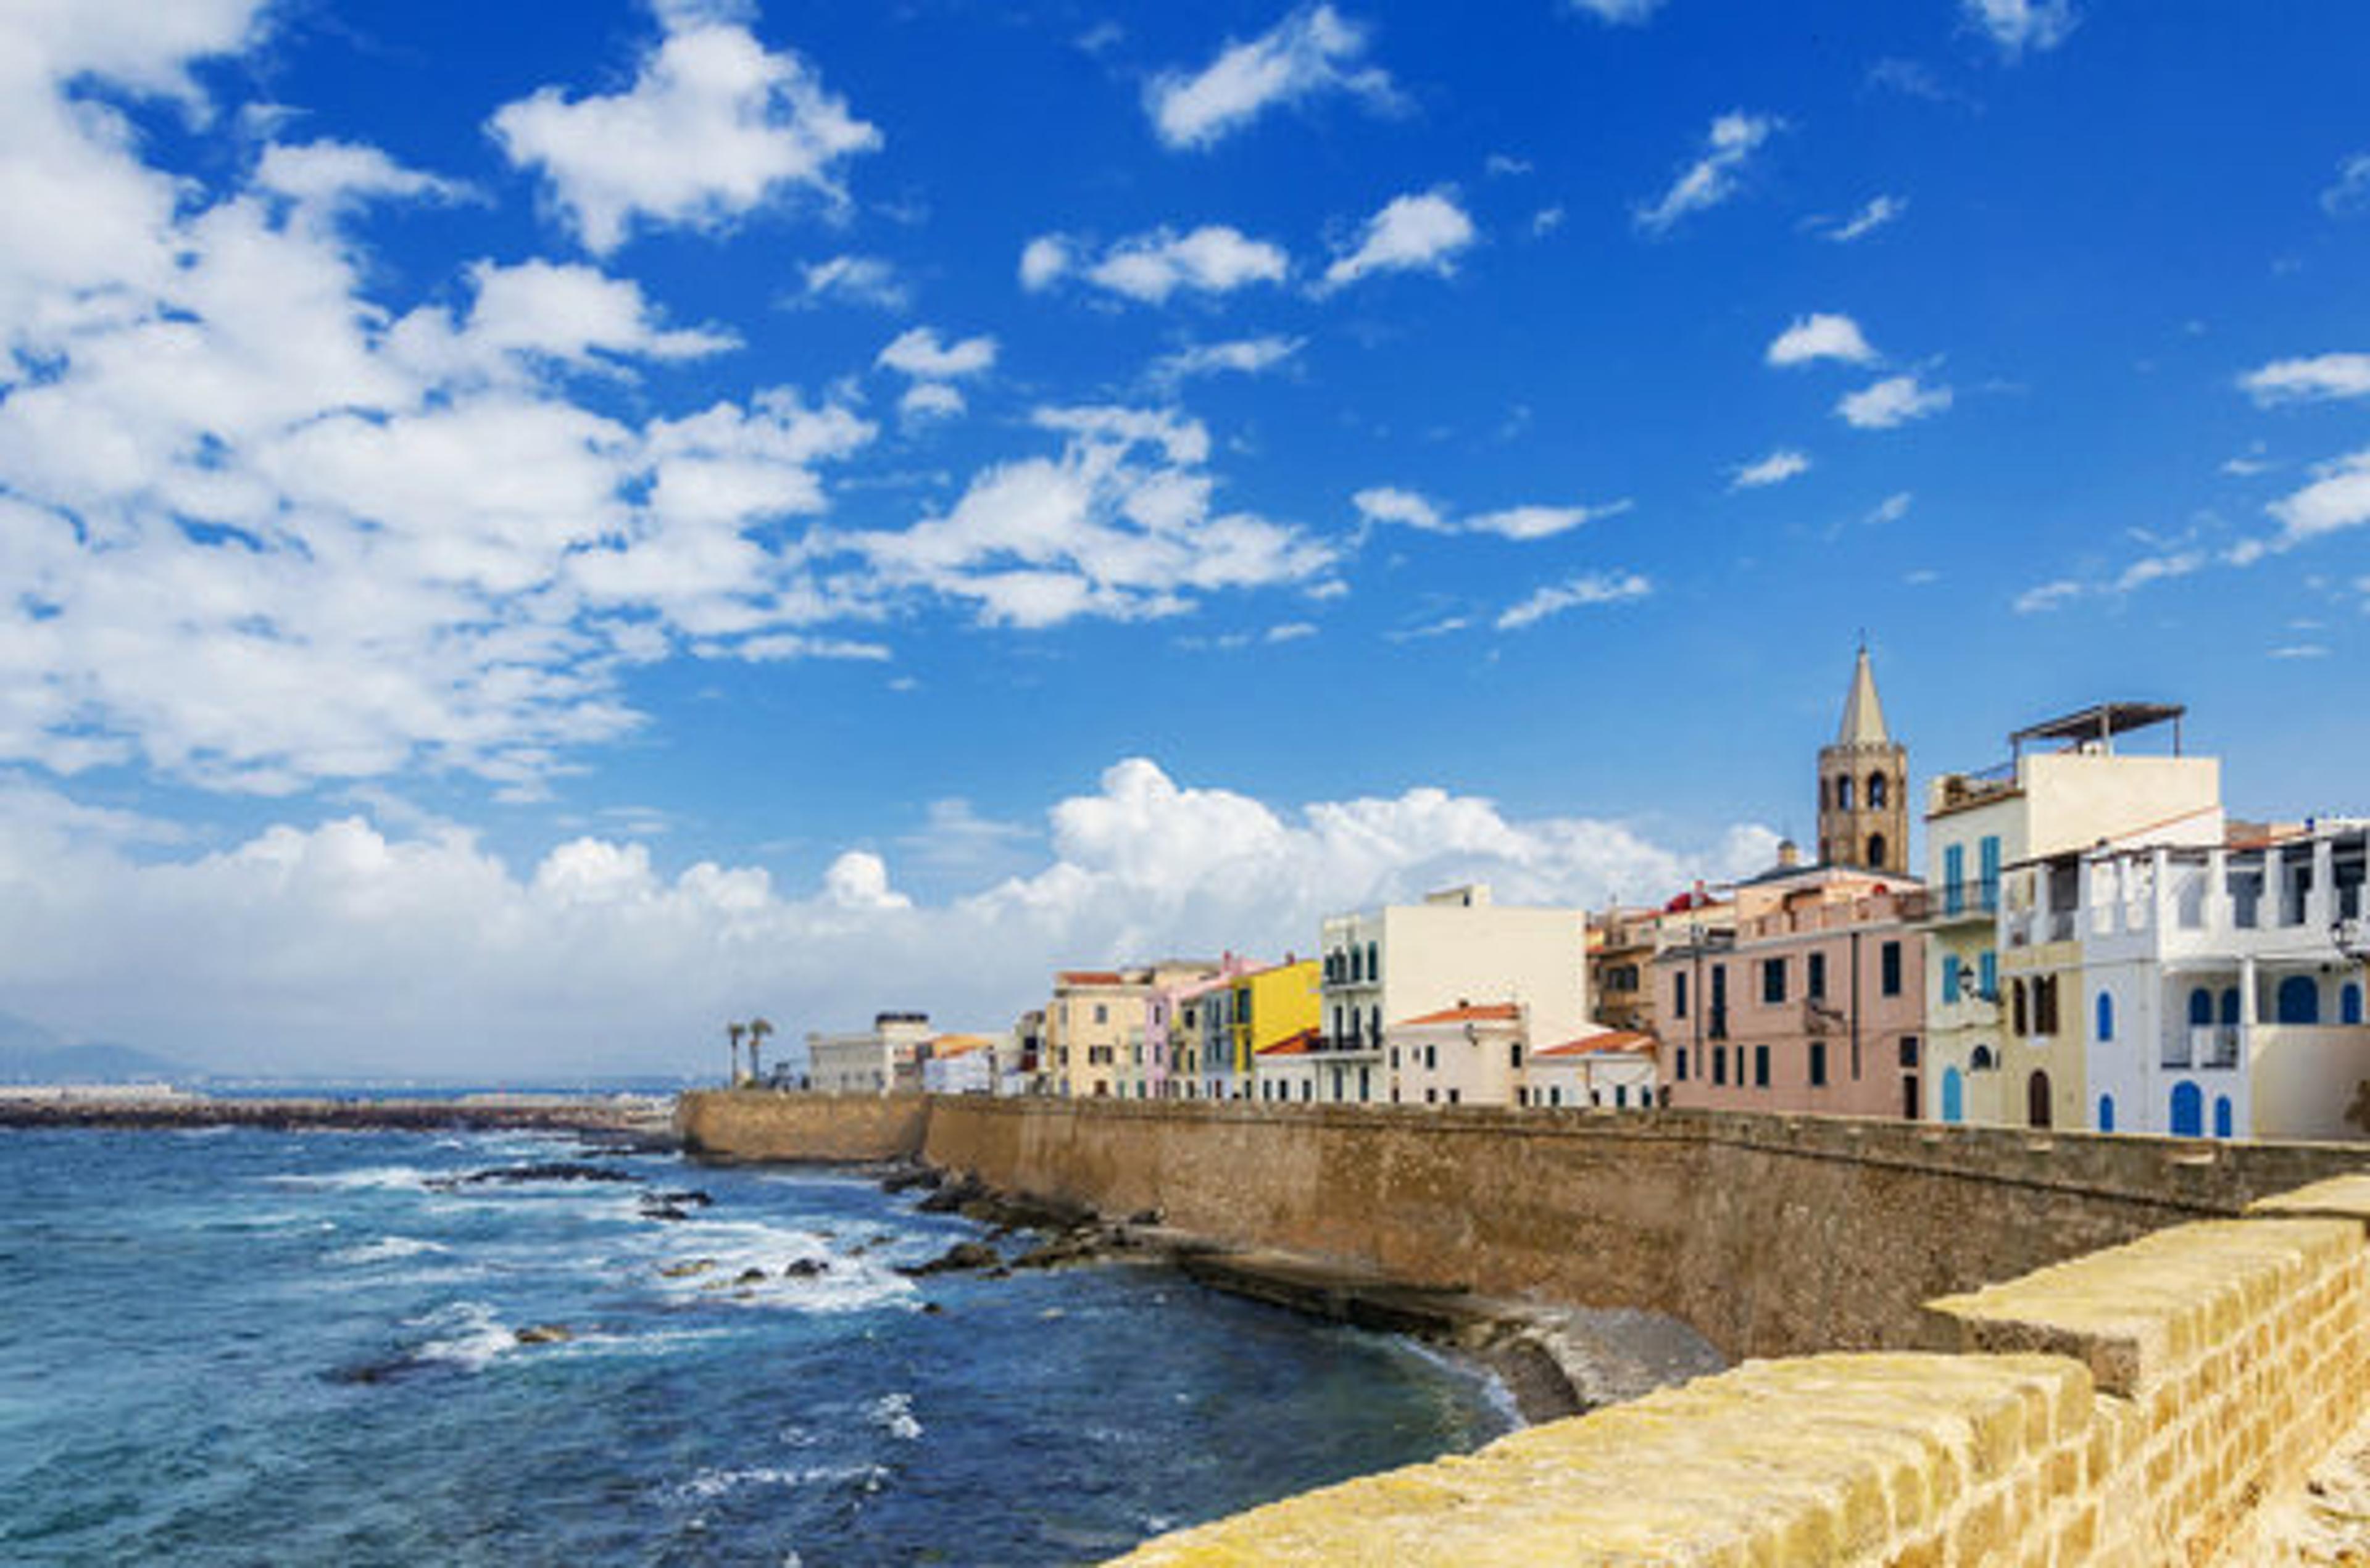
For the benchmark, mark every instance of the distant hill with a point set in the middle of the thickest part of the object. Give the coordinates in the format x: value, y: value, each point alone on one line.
x: 31, y: 1054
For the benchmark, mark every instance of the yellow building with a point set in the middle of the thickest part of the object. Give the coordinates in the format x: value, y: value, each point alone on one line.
x: 1270, y: 1006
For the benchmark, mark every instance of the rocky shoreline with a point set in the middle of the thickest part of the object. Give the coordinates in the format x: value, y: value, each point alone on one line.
x: 639, y: 1121
x: 1553, y: 1361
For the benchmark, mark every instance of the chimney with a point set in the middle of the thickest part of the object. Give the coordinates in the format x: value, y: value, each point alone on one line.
x: 1789, y: 857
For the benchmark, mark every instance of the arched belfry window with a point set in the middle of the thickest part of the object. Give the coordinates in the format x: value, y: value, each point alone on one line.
x: 1876, y: 849
x: 1842, y: 792
x: 1876, y: 792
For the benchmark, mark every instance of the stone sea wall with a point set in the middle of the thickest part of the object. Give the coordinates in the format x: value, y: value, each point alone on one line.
x: 760, y: 1125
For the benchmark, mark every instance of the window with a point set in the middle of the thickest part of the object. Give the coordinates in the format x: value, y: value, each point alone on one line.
x: 2349, y: 1004
x: 1455, y: 1096
x: 1516, y: 1050
x: 1844, y: 793
x: 1909, y: 1052
x: 1374, y: 960
x: 2221, y: 1115
x: 1679, y: 994
x: 1432, y: 1096
x: 1431, y: 1058
x: 1773, y: 980
x: 1818, y: 1064
x: 2188, y: 1111
x: 1949, y: 977
x: 1102, y: 1013
x: 1876, y: 792
x: 1521, y: 1096
x: 2106, y: 1010
x: 1954, y: 878
x: 1719, y: 1064
x: 1683, y: 1064
x: 1889, y: 968
x: 1987, y: 975
x: 1815, y: 978
x: 1989, y: 858
x: 1555, y: 1095
x: 2300, y: 1000
x: 1720, y: 1002
x: 1761, y: 1067
x: 2044, y: 1005
x: 2106, y: 1112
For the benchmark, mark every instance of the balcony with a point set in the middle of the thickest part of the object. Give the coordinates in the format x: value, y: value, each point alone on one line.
x: 2205, y: 1045
x: 1951, y: 903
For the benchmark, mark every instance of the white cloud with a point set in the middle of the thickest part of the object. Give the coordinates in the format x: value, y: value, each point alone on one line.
x: 1618, y: 11
x: 926, y: 400
x: 1151, y: 267
x: 1122, y: 524
x: 2322, y: 379
x: 1894, y: 401
x: 1879, y: 211
x: 1594, y: 588
x: 1891, y: 509
x: 1714, y: 176
x: 1411, y: 233
x: 301, y: 948
x: 1821, y: 336
x: 1385, y: 504
x: 1311, y: 52
x: 334, y: 178
x: 919, y: 354
x: 2018, y: 25
x: 1241, y: 356
x: 1775, y: 469
x: 2049, y: 596
x: 2338, y: 498
x: 853, y: 280
x: 714, y: 127
x: 1288, y: 632
x: 2349, y: 195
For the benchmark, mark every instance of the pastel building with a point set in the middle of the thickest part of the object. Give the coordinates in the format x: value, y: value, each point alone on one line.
x: 1095, y: 1027
x: 1613, y: 1069
x: 1456, y: 949
x: 959, y: 1064
x: 1270, y: 1005
x: 1285, y: 1073
x: 1467, y: 1055
x: 1175, y: 1038
x: 2220, y: 989
x: 1623, y: 944
x: 2072, y: 784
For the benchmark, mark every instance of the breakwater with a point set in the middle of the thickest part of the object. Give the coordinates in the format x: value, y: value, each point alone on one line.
x: 1770, y: 1235
x: 647, y: 1119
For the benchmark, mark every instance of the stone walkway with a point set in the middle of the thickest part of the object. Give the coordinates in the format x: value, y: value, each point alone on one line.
x: 2326, y: 1525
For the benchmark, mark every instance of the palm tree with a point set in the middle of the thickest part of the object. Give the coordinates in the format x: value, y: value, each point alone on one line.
x: 758, y: 1029
x: 733, y: 1032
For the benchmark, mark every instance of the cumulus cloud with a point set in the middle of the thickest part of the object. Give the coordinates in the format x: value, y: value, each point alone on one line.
x: 1775, y: 469
x: 1122, y: 523
x: 932, y: 367
x: 714, y: 127
x: 1594, y: 588
x: 2338, y: 498
x: 1411, y: 233
x: 2324, y: 378
x: 1715, y: 176
x: 852, y: 279
x: 1149, y: 267
x: 300, y: 949
x: 1818, y: 337
x: 1386, y: 504
x: 2017, y: 26
x: 1312, y: 52
x: 1241, y: 356
x: 1894, y: 401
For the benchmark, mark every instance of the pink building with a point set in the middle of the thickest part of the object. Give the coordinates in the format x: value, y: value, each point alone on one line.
x: 1174, y: 1031
x: 1817, y: 1003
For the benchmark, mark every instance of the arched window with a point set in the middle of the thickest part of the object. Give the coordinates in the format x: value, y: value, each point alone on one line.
x: 1876, y: 792
x: 2106, y: 1112
x: 2300, y: 1000
x: 1842, y: 792
x: 1826, y: 795
x: 1954, y: 1096
x: 1876, y: 849
x: 2106, y: 1017
x: 2221, y: 1115
x: 2349, y: 1004
x: 2036, y: 1100
x: 2021, y: 1025
x: 2188, y: 1111
x: 1981, y: 1060
x: 2201, y: 1006
x: 2230, y: 1005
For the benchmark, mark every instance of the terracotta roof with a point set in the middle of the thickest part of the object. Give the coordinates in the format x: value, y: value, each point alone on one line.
x: 1298, y: 1045
x: 959, y: 1045
x: 1490, y: 1012
x: 1613, y: 1042
x: 1088, y: 977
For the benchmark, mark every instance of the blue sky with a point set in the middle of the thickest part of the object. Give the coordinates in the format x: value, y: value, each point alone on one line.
x: 556, y: 526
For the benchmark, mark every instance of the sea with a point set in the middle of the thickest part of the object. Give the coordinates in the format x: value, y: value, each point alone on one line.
x: 235, y: 1346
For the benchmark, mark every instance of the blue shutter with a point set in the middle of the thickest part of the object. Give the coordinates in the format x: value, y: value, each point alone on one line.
x: 1990, y: 850
x: 1954, y: 878
x: 1949, y: 977
x: 1987, y: 976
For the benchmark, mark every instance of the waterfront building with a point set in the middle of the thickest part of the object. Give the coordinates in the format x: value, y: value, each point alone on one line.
x: 1623, y: 944
x: 1455, y: 949
x: 2071, y: 783
x: 959, y: 1064
x: 2219, y: 988
x: 1811, y: 1001
x: 1270, y: 1005
x: 1020, y: 1066
x: 1470, y: 1054
x: 1216, y: 1051
x: 1285, y: 1073
x: 1173, y: 1031
x: 1095, y: 1027
x: 1613, y: 1069
x: 884, y: 1059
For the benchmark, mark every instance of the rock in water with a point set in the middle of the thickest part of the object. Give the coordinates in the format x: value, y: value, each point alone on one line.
x: 962, y: 1255
x: 544, y: 1333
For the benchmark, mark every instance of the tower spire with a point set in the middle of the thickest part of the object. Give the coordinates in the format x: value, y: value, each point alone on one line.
x: 1863, y: 713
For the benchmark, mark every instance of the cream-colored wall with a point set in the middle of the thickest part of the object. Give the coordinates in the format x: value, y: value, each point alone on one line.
x: 1480, y: 1069
x: 1434, y: 959
x: 2075, y: 799
x: 1070, y: 1022
x: 2302, y: 1079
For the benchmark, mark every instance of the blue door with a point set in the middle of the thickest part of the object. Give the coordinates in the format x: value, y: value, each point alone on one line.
x: 1954, y: 1106
x: 2188, y: 1111
x: 2300, y: 1000
x: 2106, y: 1112
x: 2221, y: 1115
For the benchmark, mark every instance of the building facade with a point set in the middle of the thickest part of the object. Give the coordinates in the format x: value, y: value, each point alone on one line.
x: 884, y: 1059
x: 1864, y: 786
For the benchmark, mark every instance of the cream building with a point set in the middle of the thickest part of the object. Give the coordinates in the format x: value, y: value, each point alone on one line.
x: 1611, y: 1070
x: 2068, y: 786
x: 2221, y: 988
x: 884, y: 1059
x: 1095, y: 1027
x: 1456, y: 949
x: 1467, y: 1055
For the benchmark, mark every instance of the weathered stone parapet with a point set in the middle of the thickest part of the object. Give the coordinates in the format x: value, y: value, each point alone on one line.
x: 764, y: 1125
x: 2134, y: 1407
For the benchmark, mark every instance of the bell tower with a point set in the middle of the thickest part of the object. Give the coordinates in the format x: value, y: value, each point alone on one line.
x: 1864, y: 787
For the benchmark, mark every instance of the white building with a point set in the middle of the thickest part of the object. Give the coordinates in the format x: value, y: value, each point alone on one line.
x: 1467, y: 1055
x: 1456, y: 949
x: 960, y: 1064
x: 1287, y: 1072
x: 884, y: 1059
x: 2065, y: 789
x: 1614, y: 1068
x: 2222, y: 988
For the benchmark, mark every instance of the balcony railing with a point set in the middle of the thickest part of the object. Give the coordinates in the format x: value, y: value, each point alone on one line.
x: 1951, y: 900
x: 2203, y: 1046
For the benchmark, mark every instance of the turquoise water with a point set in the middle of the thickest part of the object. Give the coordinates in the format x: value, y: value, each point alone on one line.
x: 248, y: 1347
